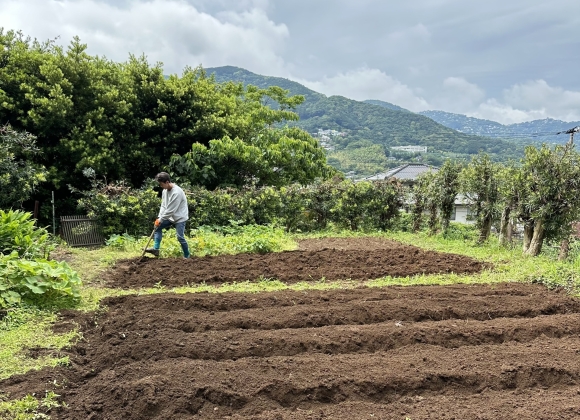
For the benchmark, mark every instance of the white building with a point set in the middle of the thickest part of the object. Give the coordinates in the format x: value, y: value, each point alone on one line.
x: 411, y: 149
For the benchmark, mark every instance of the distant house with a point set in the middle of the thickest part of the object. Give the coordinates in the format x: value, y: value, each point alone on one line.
x: 408, y: 174
x: 461, y: 212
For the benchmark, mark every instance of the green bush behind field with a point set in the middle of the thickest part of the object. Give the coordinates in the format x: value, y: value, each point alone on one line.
x: 296, y: 208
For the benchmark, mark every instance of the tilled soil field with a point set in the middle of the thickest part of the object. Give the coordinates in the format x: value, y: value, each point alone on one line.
x: 329, y: 258
x: 504, y: 351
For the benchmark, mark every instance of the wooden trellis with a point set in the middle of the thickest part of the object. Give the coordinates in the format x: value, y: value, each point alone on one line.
x: 81, y: 231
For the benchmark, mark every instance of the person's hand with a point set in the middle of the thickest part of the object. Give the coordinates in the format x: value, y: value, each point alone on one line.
x: 157, y: 222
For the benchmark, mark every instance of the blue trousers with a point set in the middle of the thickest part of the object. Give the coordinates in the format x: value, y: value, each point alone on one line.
x: 179, y: 229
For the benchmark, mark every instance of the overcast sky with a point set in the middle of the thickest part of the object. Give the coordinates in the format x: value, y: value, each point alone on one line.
x: 504, y: 60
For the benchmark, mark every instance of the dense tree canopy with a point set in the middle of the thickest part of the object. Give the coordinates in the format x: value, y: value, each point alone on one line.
x: 127, y: 120
x: 19, y: 176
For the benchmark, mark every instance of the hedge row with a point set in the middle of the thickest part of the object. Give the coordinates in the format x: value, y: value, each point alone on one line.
x: 360, y: 205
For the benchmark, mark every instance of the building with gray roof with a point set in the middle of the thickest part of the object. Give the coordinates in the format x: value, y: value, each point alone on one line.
x: 407, y: 173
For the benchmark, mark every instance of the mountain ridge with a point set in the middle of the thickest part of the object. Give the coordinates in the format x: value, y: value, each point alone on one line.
x: 542, y: 130
x: 367, y: 137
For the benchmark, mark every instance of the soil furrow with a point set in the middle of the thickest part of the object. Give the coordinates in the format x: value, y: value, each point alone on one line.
x: 487, y: 405
x: 251, y: 386
x: 289, y: 309
x: 503, y: 351
x: 133, y: 345
x: 487, y: 294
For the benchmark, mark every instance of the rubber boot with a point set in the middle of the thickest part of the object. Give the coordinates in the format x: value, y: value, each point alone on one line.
x: 185, y: 249
x: 155, y: 249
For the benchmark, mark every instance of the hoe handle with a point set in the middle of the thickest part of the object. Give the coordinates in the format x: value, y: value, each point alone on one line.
x: 148, y: 242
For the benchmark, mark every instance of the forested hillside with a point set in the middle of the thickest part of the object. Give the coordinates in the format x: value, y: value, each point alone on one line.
x: 364, y: 132
x: 384, y: 104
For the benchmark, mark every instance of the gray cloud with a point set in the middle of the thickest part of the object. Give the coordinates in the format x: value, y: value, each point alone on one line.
x: 507, y: 61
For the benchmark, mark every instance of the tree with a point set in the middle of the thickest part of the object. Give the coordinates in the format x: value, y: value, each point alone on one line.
x: 445, y: 189
x: 480, y: 185
x: 510, y: 186
x: 127, y: 120
x: 551, y: 203
x: 260, y: 154
x: 18, y: 175
x: 76, y: 105
x: 420, y: 198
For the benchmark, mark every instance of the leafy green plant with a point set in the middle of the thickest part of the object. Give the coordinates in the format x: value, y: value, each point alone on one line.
x: 37, y: 282
x: 28, y: 407
x: 558, y: 276
x: 233, y: 239
x: 461, y: 231
x: 123, y: 241
x: 18, y: 233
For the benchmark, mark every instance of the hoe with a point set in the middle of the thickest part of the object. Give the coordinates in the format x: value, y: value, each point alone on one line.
x: 148, y: 242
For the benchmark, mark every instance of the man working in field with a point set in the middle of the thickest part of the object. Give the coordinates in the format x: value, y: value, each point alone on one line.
x: 173, y: 211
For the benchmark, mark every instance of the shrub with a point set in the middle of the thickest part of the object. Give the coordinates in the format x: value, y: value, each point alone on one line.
x: 19, y: 177
x: 209, y: 208
x: 36, y: 282
x: 293, y: 213
x: 266, y: 205
x: 403, y: 223
x: 18, y: 233
x: 121, y: 242
x: 366, y: 205
x: 461, y: 231
x: 118, y: 207
x: 321, y: 199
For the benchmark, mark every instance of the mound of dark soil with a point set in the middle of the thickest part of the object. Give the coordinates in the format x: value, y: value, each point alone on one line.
x: 316, y: 259
x: 508, y: 351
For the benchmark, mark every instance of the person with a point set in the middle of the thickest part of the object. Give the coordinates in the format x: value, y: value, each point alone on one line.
x: 173, y: 211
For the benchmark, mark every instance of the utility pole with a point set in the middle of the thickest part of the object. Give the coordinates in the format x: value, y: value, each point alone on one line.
x: 571, y: 132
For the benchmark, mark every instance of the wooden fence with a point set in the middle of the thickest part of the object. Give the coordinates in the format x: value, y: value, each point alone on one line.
x: 81, y: 231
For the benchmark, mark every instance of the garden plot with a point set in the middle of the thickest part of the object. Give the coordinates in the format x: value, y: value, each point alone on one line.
x: 329, y: 259
x: 503, y: 351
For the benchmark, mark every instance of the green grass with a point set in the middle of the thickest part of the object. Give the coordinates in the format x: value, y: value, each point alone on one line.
x: 29, y: 328
x: 28, y: 407
x: 24, y: 329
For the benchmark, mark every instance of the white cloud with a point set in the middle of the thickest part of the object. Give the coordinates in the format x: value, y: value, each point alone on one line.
x: 504, y: 113
x: 171, y: 31
x: 457, y: 95
x: 365, y: 83
x: 411, y: 36
x: 532, y: 100
x: 410, y: 48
